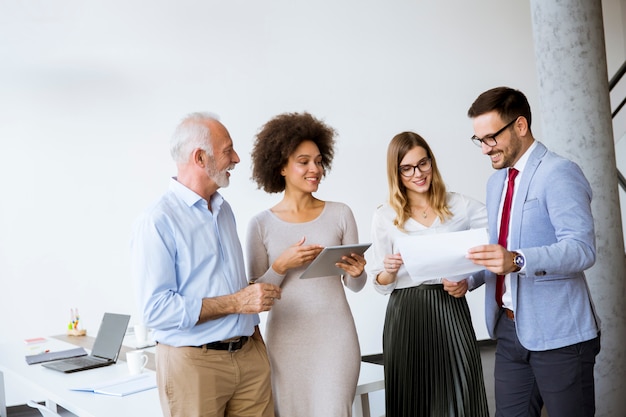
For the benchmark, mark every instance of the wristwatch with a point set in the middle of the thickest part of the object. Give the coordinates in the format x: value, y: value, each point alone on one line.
x: 518, y: 261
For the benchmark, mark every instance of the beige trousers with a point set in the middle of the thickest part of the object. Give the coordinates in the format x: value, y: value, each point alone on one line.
x: 198, y: 382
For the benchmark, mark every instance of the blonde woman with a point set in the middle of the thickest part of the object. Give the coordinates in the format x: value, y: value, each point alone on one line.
x: 432, y: 362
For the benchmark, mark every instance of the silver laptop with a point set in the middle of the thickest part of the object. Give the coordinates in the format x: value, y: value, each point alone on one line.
x: 105, y: 350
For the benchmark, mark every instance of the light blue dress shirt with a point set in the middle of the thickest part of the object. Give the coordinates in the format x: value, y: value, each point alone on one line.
x: 181, y: 252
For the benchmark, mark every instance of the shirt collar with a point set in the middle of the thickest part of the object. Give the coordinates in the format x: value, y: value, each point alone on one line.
x: 191, y: 198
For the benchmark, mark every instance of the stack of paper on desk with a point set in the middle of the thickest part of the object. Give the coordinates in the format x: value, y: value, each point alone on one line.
x: 123, y: 386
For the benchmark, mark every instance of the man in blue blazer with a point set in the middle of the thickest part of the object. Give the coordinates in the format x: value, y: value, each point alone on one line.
x: 546, y: 329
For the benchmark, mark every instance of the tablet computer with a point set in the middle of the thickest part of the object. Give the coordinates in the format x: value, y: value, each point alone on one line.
x: 324, y: 264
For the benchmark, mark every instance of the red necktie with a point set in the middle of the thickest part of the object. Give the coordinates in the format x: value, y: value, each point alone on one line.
x: 504, y: 228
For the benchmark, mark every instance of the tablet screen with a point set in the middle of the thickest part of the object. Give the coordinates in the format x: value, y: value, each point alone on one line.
x: 324, y: 264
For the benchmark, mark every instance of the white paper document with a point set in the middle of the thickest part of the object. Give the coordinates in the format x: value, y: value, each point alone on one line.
x: 123, y: 386
x: 441, y: 255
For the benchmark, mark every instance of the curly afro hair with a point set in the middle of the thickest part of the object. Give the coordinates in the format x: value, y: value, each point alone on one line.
x: 279, y: 138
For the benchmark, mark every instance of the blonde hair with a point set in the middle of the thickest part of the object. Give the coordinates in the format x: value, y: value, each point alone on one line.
x: 399, y: 146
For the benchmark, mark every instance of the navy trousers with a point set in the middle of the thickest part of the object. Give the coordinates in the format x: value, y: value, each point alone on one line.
x: 561, y: 379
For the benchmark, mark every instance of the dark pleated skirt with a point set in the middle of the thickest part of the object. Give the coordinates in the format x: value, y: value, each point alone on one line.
x: 432, y: 361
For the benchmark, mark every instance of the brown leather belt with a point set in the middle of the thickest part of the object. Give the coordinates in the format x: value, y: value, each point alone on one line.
x: 509, y: 313
x: 231, y: 345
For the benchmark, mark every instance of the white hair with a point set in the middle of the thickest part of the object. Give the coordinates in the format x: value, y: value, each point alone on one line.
x: 190, y: 134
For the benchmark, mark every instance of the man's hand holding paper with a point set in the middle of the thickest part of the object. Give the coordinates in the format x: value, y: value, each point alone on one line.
x: 441, y: 255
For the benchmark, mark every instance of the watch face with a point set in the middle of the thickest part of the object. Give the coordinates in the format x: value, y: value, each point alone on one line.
x: 519, y: 260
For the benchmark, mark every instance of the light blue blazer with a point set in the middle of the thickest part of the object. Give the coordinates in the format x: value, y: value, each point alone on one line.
x: 552, y: 225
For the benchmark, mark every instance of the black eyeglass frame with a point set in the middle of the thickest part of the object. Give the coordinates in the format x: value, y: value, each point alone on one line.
x: 430, y: 166
x: 489, y: 138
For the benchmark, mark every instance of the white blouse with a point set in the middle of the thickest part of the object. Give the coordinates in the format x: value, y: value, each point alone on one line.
x: 467, y: 213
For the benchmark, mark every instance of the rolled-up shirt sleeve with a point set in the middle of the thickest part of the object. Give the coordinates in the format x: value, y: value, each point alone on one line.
x: 153, y: 261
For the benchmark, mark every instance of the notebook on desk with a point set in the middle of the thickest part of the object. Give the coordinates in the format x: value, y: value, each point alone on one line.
x: 106, y: 347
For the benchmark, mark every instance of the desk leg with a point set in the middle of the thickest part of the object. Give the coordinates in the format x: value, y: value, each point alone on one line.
x: 51, y: 405
x: 361, y: 406
x: 365, y: 404
x: 3, y: 399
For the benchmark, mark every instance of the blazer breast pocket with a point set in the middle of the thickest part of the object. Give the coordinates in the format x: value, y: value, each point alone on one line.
x: 531, y: 204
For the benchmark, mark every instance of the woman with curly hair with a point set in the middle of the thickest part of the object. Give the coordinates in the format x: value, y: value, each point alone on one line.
x: 310, y: 333
x: 431, y: 357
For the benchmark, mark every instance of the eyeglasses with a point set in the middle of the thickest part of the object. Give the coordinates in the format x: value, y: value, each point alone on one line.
x: 409, y: 170
x: 490, y: 140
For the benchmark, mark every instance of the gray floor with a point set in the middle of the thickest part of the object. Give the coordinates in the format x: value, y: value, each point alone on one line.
x: 487, y: 353
x: 26, y: 411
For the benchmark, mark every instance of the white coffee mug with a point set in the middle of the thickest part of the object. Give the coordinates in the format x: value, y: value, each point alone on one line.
x: 136, y: 361
x: 141, y: 334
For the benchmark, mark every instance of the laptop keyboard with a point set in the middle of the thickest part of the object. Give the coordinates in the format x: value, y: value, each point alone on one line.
x: 85, y: 361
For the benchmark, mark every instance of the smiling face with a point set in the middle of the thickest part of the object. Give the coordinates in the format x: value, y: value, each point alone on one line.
x: 509, y: 146
x: 304, y: 169
x: 224, y: 156
x: 419, y: 182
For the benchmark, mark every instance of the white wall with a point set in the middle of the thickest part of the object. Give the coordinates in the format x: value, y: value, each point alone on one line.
x: 91, y: 91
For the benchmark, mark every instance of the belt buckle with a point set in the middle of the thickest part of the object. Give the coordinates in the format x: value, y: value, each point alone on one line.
x: 234, y: 345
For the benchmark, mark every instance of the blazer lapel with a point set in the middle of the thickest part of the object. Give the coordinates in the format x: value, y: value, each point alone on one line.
x: 521, y: 194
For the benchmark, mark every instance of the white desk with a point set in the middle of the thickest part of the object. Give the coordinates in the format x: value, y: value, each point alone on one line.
x: 55, y: 386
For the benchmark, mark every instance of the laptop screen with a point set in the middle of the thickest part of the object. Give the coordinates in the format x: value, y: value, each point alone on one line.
x: 110, y: 336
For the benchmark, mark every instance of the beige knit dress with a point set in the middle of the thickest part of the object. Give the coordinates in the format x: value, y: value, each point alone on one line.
x: 310, y: 334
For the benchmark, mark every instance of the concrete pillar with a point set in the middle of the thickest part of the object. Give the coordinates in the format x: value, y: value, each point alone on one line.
x: 573, y: 84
